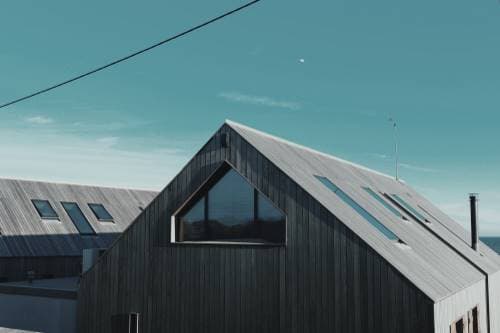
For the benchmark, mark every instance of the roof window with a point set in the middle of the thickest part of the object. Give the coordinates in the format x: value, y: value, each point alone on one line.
x: 79, y: 220
x: 45, y: 210
x: 409, y: 209
x: 100, y: 212
x: 384, y: 203
x: 360, y: 210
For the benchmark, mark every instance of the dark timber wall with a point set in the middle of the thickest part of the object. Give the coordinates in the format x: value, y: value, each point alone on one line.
x: 325, y: 280
x: 16, y: 268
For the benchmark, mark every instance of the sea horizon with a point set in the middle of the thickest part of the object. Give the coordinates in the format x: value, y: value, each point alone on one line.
x: 493, y: 242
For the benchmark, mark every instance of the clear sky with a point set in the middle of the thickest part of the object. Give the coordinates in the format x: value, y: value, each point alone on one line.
x: 326, y: 74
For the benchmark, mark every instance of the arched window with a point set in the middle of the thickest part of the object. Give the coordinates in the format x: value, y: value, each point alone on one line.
x: 230, y: 209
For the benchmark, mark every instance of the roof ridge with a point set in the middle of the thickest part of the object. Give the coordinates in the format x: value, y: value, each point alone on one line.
x: 76, y: 184
x: 296, y: 145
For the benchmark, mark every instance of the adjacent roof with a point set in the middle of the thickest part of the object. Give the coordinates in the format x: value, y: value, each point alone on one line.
x: 24, y: 233
x: 438, y: 258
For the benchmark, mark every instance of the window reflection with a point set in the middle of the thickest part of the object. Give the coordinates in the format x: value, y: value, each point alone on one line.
x: 271, y: 220
x: 232, y: 210
x: 354, y: 205
x: 193, y: 223
x: 79, y: 220
x: 100, y: 212
x: 44, y: 209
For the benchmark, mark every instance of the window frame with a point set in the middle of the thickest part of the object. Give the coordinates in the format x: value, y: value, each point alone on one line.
x: 51, y: 218
x: 360, y: 210
x: 476, y: 327
x: 426, y: 211
x: 93, y: 233
x: 111, y: 220
x: 468, y: 320
x: 125, y: 322
x: 201, y: 193
x: 387, y: 205
x: 454, y: 326
x: 407, y: 208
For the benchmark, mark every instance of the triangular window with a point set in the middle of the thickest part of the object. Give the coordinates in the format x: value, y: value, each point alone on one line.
x: 229, y: 209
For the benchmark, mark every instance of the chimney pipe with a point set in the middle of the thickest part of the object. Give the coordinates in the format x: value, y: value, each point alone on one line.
x: 474, y: 228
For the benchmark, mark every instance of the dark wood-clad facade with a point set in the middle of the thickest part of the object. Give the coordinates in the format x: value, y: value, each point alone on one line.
x: 325, y: 279
x: 17, y: 268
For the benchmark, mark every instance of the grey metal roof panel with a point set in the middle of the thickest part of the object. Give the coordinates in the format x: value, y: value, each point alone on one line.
x: 432, y: 265
x: 447, y: 229
x: 456, y: 230
x: 24, y: 233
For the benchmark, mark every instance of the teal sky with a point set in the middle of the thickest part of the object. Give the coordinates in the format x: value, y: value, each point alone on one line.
x: 433, y: 65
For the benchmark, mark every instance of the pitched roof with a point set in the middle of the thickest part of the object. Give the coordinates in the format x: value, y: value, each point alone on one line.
x: 438, y: 259
x: 24, y: 233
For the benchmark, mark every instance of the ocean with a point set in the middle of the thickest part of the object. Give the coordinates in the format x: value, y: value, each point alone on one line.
x: 493, y: 242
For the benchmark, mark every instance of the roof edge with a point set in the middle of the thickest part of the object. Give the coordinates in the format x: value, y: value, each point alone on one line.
x: 76, y: 184
x: 234, y: 124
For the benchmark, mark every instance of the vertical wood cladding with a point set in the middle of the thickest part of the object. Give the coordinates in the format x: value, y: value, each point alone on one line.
x: 326, y: 279
x: 16, y: 268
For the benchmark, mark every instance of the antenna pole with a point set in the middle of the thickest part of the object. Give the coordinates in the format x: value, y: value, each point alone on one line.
x: 396, y: 145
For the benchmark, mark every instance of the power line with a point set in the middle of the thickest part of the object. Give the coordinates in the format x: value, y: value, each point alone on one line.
x: 98, y: 69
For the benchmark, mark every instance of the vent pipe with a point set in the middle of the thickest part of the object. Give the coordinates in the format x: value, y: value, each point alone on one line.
x: 474, y: 228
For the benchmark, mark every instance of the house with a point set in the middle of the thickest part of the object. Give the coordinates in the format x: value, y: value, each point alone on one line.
x: 258, y: 234
x: 44, y: 230
x: 44, y: 227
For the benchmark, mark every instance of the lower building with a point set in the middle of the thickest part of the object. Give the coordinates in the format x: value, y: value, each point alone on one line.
x: 44, y: 230
x: 45, y: 305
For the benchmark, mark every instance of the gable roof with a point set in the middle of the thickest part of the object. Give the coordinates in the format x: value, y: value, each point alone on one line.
x: 438, y: 259
x: 24, y: 233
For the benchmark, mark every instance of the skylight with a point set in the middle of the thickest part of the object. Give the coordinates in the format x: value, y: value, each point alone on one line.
x: 409, y: 208
x: 360, y: 210
x: 384, y: 203
x: 44, y: 209
x: 79, y: 220
x: 100, y: 212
